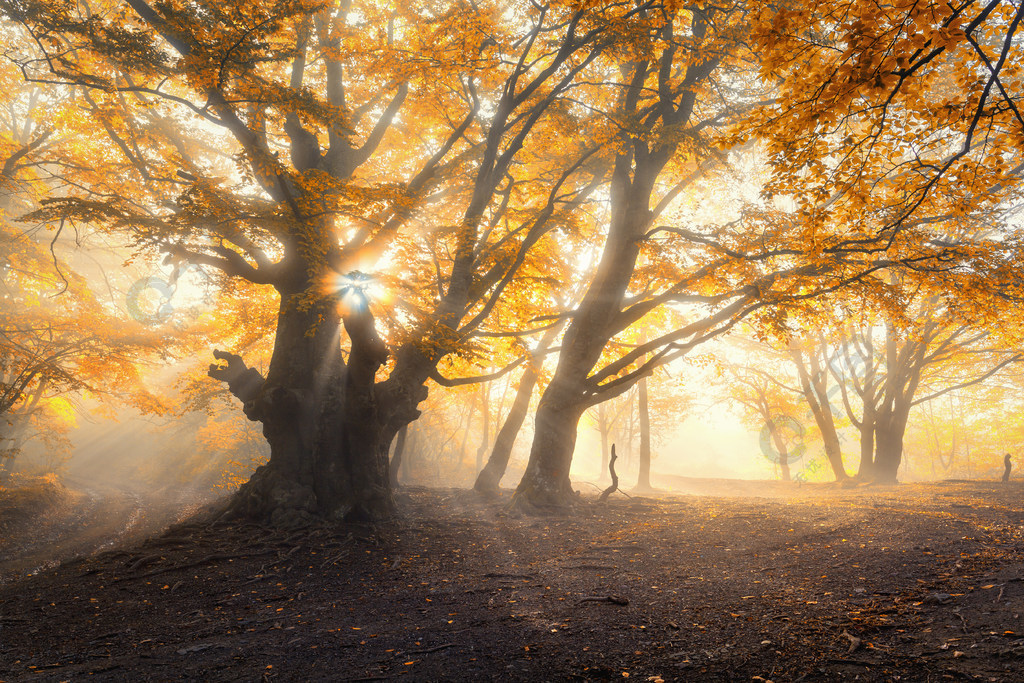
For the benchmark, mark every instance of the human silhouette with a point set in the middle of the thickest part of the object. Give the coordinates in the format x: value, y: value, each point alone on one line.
x: 1006, y: 464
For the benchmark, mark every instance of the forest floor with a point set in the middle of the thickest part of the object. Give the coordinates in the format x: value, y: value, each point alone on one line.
x: 732, y: 581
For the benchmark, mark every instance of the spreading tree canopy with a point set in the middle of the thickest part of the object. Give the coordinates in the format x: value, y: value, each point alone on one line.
x: 407, y: 182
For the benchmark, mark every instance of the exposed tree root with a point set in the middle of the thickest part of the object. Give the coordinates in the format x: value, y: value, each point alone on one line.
x: 613, y: 599
x: 214, y: 557
x: 522, y: 505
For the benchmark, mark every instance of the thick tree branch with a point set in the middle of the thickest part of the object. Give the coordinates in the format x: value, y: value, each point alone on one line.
x: 243, y: 382
x: 463, y: 381
x: 229, y: 261
x: 11, y: 163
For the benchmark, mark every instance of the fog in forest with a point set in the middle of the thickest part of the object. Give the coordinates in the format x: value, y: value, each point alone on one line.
x: 145, y: 441
x: 490, y: 340
x: 123, y: 475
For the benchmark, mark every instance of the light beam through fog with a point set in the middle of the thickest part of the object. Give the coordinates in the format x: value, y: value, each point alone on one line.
x: 586, y: 340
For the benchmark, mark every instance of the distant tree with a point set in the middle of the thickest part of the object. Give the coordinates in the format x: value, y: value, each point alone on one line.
x: 900, y: 128
x: 769, y: 405
x: 811, y: 356
x: 902, y: 362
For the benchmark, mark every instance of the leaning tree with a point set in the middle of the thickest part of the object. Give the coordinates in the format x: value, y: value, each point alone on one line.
x: 881, y: 159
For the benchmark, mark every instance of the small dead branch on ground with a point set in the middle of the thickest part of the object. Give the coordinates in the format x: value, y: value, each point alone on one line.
x: 615, y: 480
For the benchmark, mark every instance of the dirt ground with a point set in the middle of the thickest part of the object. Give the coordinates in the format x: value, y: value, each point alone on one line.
x: 725, y: 581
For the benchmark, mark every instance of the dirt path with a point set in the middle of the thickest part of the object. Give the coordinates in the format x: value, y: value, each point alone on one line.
x: 917, y: 582
x: 91, y: 516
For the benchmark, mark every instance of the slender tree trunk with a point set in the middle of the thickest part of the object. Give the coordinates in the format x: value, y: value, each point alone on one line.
x: 834, y: 454
x: 411, y: 452
x: 396, y: 457
x: 465, y: 428
x: 12, y: 429
x: 603, y: 427
x: 489, y: 479
x: 866, y: 469
x: 967, y: 456
x: 967, y: 441
x: 485, y: 440
x: 614, y: 478
x: 7, y: 451
x: 814, y: 385
x: 631, y: 430
x: 644, y: 479
x: 781, y: 448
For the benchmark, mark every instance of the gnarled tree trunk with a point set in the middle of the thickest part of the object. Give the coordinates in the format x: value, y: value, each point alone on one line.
x: 328, y: 425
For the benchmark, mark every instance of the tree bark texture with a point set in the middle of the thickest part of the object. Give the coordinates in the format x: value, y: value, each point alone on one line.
x: 328, y: 423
